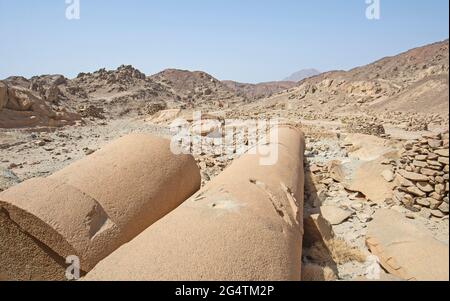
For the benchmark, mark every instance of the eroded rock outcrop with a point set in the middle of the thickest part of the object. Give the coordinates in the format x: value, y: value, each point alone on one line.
x: 21, y: 107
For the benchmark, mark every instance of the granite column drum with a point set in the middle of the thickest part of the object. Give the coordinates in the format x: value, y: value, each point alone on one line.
x: 91, y: 207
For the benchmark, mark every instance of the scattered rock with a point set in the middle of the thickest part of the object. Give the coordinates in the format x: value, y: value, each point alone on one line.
x: 413, y: 190
x: 444, y: 208
x: 7, y: 179
x: 444, y: 160
x: 437, y: 213
x: 317, y: 229
x: 413, y: 176
x: 40, y: 143
x: 442, y: 152
x: 423, y: 202
x: 388, y: 175
x: 88, y: 151
x: 335, y: 215
x: 428, y: 172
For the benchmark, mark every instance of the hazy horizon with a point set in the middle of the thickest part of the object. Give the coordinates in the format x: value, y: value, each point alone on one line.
x: 252, y: 41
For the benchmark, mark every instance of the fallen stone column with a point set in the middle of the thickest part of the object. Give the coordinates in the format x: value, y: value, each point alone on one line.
x: 247, y: 224
x: 91, y: 207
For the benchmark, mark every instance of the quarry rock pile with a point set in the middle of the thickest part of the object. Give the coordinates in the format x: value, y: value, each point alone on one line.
x: 7, y: 179
x: 91, y: 111
x: 153, y: 108
x: 124, y: 75
x: 365, y: 126
x: 422, y: 175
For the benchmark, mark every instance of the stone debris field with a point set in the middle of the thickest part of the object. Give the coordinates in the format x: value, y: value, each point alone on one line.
x: 343, y: 176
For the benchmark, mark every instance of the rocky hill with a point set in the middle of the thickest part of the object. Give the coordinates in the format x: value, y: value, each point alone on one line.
x: 302, y: 74
x: 119, y: 91
x: 45, y: 100
x: 414, y: 81
x: 197, y: 88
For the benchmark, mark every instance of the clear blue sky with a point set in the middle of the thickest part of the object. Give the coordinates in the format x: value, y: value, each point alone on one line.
x: 243, y: 40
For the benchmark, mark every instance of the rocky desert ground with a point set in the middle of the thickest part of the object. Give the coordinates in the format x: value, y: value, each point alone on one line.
x: 376, y: 157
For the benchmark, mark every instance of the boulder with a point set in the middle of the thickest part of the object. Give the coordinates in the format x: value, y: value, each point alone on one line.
x: 368, y: 147
x: 388, y: 175
x: 428, y: 172
x: 421, y: 164
x: 317, y: 229
x: 423, y: 202
x: 334, y: 215
x: 401, y: 181
x: 314, y: 272
x: 412, y: 176
x: 425, y: 187
x: 444, y: 208
x: 210, y: 128
x: 367, y: 179
x: 25, y: 109
x: 442, y: 152
x: 413, y: 190
x: 19, y: 100
x: 52, y: 94
x: 405, y: 250
x: 444, y: 160
x: 165, y: 117
x: 437, y: 213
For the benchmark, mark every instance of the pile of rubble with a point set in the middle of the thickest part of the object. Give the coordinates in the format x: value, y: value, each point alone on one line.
x: 413, y: 121
x: 320, y: 183
x: 47, y: 86
x: 361, y: 125
x: 124, y: 75
x: 153, y: 108
x: 415, y: 124
x: 422, y: 176
x: 91, y: 111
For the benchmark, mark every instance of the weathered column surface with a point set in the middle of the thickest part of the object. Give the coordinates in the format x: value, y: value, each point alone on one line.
x: 244, y: 225
x: 91, y: 207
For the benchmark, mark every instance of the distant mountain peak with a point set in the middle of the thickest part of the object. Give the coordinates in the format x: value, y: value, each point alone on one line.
x: 302, y: 74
